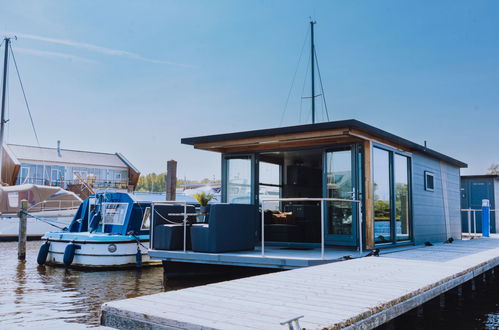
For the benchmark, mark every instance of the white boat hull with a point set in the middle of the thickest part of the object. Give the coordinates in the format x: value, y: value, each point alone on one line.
x: 98, y: 255
x: 9, y: 224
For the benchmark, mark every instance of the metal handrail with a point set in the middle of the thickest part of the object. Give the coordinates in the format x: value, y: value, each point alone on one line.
x: 184, y: 221
x: 42, y: 205
x: 474, y: 219
x: 321, y: 200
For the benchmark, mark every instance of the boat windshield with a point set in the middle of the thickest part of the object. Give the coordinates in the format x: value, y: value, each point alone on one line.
x: 146, y: 219
x: 114, y: 213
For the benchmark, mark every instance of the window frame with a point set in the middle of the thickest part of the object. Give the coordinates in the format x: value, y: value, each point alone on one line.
x: 426, y: 175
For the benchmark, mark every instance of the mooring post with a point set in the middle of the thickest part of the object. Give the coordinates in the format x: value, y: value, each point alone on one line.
x: 485, y: 218
x: 171, y: 180
x: 23, y: 218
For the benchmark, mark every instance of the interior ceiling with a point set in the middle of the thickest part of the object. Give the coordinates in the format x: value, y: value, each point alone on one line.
x: 295, y: 156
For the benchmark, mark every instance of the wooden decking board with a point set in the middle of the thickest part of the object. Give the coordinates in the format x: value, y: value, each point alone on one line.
x: 355, y: 293
x: 212, y: 312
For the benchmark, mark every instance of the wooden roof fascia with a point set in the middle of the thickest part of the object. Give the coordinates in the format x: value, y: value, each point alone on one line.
x: 322, y: 142
x: 368, y: 137
x: 273, y: 139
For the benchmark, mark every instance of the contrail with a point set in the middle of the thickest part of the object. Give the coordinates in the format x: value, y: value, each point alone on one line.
x: 94, y: 48
x: 53, y: 54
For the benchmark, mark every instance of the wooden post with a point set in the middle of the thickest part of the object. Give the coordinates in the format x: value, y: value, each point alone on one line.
x: 368, y: 195
x: 171, y: 180
x: 21, y: 244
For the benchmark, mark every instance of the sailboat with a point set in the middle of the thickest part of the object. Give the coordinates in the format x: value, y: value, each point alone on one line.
x: 49, y: 207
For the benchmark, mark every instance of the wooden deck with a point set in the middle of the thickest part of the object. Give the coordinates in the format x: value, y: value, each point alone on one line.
x: 276, y: 256
x: 363, y: 292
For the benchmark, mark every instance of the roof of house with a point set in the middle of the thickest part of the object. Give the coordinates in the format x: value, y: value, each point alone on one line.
x: 481, y: 176
x: 350, y: 124
x: 44, y: 154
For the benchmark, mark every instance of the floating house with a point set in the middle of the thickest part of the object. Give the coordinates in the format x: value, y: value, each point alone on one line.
x: 319, y: 191
x: 474, y: 189
x: 65, y: 168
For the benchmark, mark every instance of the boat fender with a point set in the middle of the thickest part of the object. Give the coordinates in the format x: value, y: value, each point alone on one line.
x: 69, y: 254
x: 138, y: 258
x: 43, y: 253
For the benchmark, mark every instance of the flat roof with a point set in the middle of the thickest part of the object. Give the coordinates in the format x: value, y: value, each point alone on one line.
x: 481, y: 176
x: 346, y: 124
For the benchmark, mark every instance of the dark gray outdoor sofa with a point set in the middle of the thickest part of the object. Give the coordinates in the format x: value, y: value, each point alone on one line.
x: 230, y: 227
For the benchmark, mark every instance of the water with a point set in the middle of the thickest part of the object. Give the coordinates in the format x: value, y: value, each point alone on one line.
x: 35, y: 296
x: 40, y: 296
x: 470, y: 310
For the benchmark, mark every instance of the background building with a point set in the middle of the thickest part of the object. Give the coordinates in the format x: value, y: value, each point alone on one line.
x: 474, y: 189
x: 65, y: 168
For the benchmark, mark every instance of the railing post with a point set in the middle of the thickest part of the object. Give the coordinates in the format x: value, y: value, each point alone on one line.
x: 185, y: 226
x: 474, y: 221
x: 359, y: 215
x: 469, y: 223
x: 151, y: 230
x: 263, y: 230
x: 322, y: 229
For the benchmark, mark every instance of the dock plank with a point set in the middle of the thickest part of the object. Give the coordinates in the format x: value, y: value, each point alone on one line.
x: 362, y: 292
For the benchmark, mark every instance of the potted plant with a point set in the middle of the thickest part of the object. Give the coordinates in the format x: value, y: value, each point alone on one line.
x: 203, y: 199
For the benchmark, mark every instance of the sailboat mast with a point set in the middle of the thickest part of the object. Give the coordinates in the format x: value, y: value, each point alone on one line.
x: 312, y: 58
x: 4, y: 96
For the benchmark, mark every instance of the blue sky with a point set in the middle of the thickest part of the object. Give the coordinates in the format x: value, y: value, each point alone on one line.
x: 136, y: 77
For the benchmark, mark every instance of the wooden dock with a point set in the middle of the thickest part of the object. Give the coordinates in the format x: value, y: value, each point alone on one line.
x: 360, y: 293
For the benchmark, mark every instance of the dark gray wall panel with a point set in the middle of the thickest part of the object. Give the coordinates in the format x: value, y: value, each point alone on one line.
x: 429, y: 214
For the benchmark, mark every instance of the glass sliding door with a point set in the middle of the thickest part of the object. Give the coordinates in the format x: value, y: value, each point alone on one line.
x: 270, y: 185
x: 391, y: 176
x: 382, y: 196
x: 239, y: 187
x: 341, y: 220
x: 401, y: 175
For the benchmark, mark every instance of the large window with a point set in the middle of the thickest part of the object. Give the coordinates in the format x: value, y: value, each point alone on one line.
x: 382, y: 192
x: 339, y: 185
x: 401, y: 169
x: 239, y: 177
x: 270, y: 183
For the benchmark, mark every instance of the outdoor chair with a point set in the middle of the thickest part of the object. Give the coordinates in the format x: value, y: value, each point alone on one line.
x: 169, y: 229
x: 230, y: 227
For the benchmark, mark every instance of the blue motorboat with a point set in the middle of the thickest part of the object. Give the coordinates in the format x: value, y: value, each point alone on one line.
x: 109, y: 230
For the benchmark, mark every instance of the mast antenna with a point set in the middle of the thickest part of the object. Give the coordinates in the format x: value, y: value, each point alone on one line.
x: 312, y: 59
x: 4, y: 96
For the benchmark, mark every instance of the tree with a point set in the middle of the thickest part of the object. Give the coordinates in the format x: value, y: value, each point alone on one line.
x: 153, y: 182
x: 494, y: 169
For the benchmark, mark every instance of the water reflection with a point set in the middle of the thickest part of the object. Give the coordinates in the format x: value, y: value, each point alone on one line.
x: 33, y: 295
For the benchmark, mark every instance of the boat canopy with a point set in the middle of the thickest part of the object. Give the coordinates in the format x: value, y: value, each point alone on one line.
x: 39, y: 198
x: 114, y: 213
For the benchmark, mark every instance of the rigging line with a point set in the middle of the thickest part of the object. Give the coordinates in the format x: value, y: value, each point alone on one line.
x: 24, y: 95
x: 294, y: 77
x: 322, y: 87
x: 7, y: 100
x: 303, y: 87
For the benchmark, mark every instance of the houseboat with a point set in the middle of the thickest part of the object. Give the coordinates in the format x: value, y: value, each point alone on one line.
x: 50, y: 208
x: 339, y: 188
x: 109, y: 230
